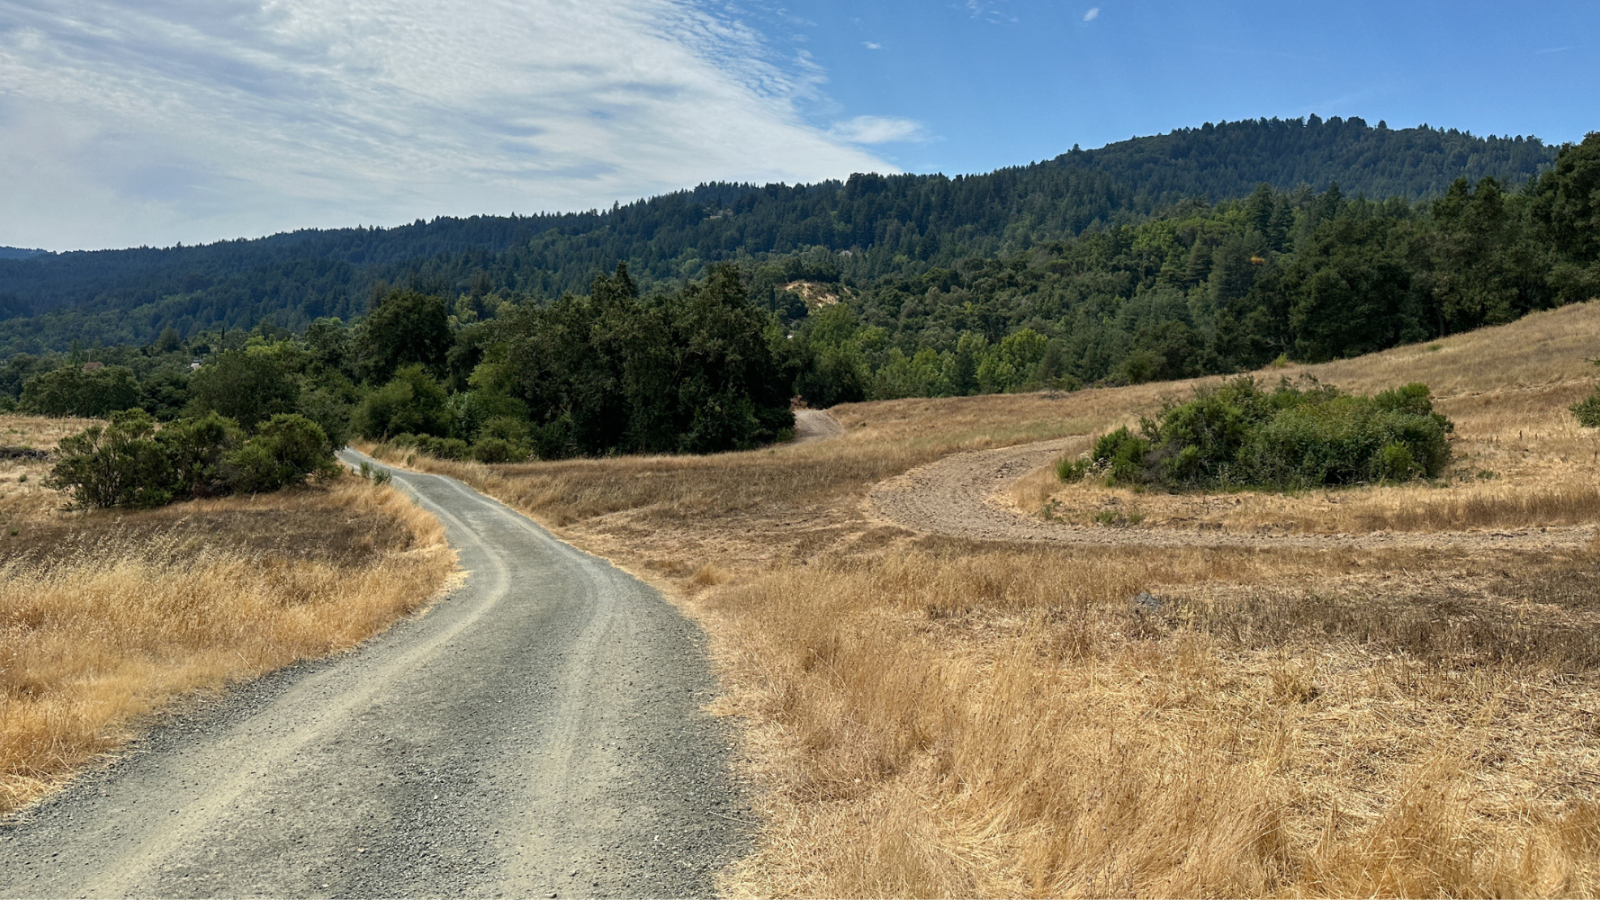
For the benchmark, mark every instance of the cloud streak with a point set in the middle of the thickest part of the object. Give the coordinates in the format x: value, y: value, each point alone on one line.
x: 127, y: 123
x: 1092, y: 14
x: 878, y: 130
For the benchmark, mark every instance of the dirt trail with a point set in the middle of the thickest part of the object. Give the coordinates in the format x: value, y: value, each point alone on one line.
x: 815, y: 425
x: 959, y: 496
x: 538, y: 733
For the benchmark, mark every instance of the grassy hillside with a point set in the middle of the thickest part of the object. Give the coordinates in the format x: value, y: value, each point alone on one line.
x: 1377, y: 690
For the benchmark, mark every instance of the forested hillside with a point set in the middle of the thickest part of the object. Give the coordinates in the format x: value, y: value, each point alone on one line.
x: 1209, y: 289
x: 712, y: 364
x: 859, y: 231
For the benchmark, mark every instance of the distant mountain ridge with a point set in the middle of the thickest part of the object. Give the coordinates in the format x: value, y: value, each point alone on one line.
x: 1231, y: 158
x: 19, y: 253
x: 890, y: 224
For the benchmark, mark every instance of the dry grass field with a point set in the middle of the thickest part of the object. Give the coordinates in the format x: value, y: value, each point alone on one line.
x: 108, y: 617
x: 932, y: 715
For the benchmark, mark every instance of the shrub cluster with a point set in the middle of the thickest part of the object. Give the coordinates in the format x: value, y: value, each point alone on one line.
x: 486, y: 449
x: 1238, y: 435
x: 414, y: 411
x: 1588, y: 409
x: 133, y: 462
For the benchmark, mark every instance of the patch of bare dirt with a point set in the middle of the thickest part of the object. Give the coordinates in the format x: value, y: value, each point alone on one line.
x: 812, y: 425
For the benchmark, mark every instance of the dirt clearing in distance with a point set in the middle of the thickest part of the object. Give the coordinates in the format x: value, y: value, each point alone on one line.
x: 815, y: 425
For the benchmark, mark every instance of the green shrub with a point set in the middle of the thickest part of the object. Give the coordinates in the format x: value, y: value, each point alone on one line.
x: 443, y: 448
x: 1588, y: 410
x: 556, y: 439
x: 413, y: 403
x: 1395, y: 463
x: 132, y: 463
x: 1237, y: 435
x: 195, y: 449
x: 478, y: 412
x: 1069, y: 469
x: 1122, y: 455
x: 77, y: 391
x: 437, y: 447
x: 330, y: 411
x: 507, y: 428
x: 120, y: 464
x: 499, y: 450
x: 374, y: 474
x: 287, y: 450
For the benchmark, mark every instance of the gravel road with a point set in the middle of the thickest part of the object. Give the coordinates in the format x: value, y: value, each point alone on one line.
x: 958, y: 496
x: 537, y: 733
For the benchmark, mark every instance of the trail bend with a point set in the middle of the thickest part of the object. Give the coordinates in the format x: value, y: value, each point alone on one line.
x: 960, y: 496
x: 540, y: 732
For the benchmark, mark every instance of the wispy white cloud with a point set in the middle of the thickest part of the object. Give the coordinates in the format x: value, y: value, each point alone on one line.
x: 125, y: 122
x: 1092, y: 14
x: 878, y: 130
x: 872, y: 45
x: 989, y: 11
x: 1549, y: 50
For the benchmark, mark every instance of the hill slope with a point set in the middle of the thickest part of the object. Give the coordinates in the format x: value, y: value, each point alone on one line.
x: 892, y: 225
x: 934, y: 698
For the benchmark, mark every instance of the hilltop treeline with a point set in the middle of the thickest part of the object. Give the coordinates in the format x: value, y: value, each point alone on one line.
x: 899, y: 226
x: 711, y: 364
x: 1214, y: 289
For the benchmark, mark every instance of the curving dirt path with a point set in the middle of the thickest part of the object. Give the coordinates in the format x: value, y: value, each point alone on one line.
x: 812, y: 425
x: 958, y: 497
x: 538, y: 733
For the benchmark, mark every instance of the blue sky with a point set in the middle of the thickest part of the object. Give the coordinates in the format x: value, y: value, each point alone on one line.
x: 128, y: 123
x: 997, y: 82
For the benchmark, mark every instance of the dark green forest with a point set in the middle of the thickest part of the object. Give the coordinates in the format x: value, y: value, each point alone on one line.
x: 693, y: 370
x: 710, y: 361
x: 870, y: 226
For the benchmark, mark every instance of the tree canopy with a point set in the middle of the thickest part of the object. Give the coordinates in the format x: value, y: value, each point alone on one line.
x: 902, y: 225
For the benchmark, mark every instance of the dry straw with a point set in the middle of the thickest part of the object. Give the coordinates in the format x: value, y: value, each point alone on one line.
x: 105, y: 619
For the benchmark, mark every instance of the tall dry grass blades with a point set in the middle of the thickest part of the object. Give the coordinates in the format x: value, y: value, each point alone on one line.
x: 1008, y: 723
x: 93, y: 642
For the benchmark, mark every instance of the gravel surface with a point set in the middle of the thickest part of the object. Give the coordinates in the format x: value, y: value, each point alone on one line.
x: 815, y: 425
x: 958, y: 496
x: 538, y: 733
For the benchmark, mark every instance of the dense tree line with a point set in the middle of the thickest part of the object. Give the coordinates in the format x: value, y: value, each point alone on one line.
x: 695, y: 369
x: 889, y: 226
x: 1215, y: 289
x: 711, y: 364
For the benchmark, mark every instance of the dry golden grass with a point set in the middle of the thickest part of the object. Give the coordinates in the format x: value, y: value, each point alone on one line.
x: 969, y: 720
x: 982, y: 722
x: 22, y: 492
x: 1520, y: 458
x: 932, y: 716
x: 106, y: 618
